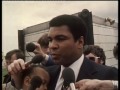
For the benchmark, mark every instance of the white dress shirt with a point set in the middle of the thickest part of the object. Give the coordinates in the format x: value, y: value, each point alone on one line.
x: 76, y: 68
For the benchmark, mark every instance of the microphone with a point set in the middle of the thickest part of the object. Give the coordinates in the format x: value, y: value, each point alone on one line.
x: 36, y: 59
x: 36, y: 82
x: 69, y: 79
x: 72, y: 86
x: 30, y: 47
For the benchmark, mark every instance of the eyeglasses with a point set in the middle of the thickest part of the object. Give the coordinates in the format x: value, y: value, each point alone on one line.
x: 94, y: 58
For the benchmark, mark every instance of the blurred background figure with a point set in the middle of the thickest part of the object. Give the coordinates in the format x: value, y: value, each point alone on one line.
x: 44, y: 42
x: 95, y: 53
x: 115, y: 51
x: 9, y: 58
x: 42, y: 48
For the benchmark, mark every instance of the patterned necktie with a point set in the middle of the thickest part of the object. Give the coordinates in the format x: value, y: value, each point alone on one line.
x: 59, y: 84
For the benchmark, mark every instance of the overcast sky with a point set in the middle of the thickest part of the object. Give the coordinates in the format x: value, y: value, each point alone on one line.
x: 17, y: 15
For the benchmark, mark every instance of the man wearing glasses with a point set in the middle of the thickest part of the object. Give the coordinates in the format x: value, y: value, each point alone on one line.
x: 95, y: 53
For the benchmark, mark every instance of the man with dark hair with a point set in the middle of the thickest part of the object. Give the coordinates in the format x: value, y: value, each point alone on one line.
x: 95, y: 53
x: 44, y: 43
x: 66, y: 41
x: 9, y: 58
x: 13, y: 55
x: 42, y: 48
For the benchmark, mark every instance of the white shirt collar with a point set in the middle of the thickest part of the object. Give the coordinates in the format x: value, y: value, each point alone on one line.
x: 75, y: 66
x: 62, y: 68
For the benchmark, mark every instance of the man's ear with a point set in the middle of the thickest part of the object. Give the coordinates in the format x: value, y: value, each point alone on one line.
x: 27, y: 81
x: 81, y: 42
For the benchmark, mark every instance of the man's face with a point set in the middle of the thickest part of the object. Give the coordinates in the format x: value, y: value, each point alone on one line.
x: 13, y: 57
x: 63, y: 48
x: 45, y: 50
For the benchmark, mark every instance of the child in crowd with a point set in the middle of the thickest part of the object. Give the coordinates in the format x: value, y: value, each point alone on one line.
x: 40, y: 73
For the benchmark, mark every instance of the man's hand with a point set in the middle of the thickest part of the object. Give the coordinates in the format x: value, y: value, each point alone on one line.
x: 15, y: 70
x: 95, y: 84
x: 38, y: 50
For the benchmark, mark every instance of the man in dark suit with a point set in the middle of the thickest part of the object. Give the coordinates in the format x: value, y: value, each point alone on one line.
x: 66, y: 40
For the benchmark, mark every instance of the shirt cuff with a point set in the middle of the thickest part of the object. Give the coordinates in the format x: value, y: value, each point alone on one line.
x: 115, y: 84
x: 46, y: 57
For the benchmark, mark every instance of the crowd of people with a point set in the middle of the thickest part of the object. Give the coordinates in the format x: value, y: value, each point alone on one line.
x: 62, y: 47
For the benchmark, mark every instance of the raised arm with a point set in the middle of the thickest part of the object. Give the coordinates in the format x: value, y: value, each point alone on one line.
x: 15, y: 69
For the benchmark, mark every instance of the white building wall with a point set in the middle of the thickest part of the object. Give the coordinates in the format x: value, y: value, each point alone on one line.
x: 106, y: 36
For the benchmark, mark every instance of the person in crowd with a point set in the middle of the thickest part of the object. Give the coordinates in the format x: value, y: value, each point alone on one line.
x: 42, y: 48
x: 115, y: 51
x: 66, y: 40
x: 35, y: 77
x: 31, y: 72
x: 44, y: 43
x: 9, y: 58
x: 95, y: 53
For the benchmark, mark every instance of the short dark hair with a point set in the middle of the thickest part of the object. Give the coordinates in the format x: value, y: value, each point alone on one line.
x: 19, y: 54
x: 75, y: 24
x: 95, y: 49
x: 30, y: 70
x: 43, y: 40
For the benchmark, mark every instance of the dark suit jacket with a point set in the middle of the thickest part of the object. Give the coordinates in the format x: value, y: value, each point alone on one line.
x: 7, y: 78
x: 89, y: 70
